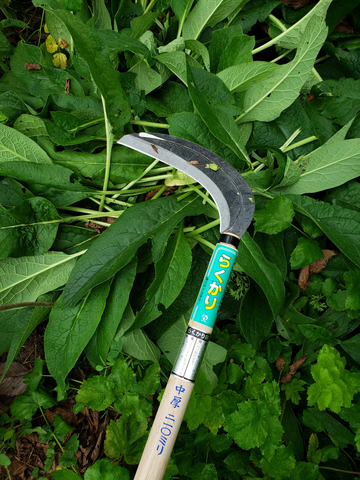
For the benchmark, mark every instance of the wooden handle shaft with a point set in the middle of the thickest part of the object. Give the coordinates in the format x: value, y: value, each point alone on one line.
x: 165, y: 429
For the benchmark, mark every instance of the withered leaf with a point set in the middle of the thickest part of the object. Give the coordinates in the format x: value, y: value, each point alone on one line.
x: 280, y: 363
x: 295, y: 3
x: 293, y: 369
x: 194, y: 162
x: 12, y: 384
x: 67, y: 86
x: 32, y: 66
x: 315, y: 267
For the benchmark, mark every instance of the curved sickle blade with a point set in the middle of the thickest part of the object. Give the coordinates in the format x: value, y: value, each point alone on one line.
x: 232, y: 195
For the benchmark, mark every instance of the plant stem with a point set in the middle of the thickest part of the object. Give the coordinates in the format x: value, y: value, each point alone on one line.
x: 196, y: 232
x: 300, y: 143
x: 109, y: 145
x: 281, y: 56
x: 205, y: 242
x: 290, y: 139
x: 202, y: 194
x: 155, y: 178
x: 337, y: 470
x: 87, y: 124
x: 159, y: 192
x: 149, y: 7
x: 10, y: 306
x: 130, y: 184
x: 149, y: 124
x: 52, y: 433
x: 109, y: 209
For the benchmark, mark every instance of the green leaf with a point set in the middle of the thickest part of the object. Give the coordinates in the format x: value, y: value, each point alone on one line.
x: 138, y: 345
x: 255, y: 424
x: 24, y: 279
x: 352, y: 347
x: 70, y: 329
x: 275, y: 217
x: 4, y: 460
x: 126, y: 438
x: 255, y: 317
x: 305, y: 252
x: 316, y: 334
x: 252, y: 260
x: 293, y: 35
x: 64, y: 474
x: 239, y: 78
x: 340, y: 225
x: 12, y: 193
x: 281, y: 464
x: 96, y: 393
x: 181, y: 8
x: 334, y: 386
x: 106, y: 78
x: 338, y: 433
x: 292, y: 390
x: 119, y: 243
x: 191, y: 127
x: 266, y: 100
x: 99, y: 345
x: 328, y: 167
x: 30, y: 126
x: 28, y: 229
x: 106, y: 470
x: 171, y: 272
x: 24, y: 407
x: 220, y: 123
x: 208, y: 13
x: 200, y: 49
x: 140, y: 25
x: 314, y: 454
x: 16, y: 147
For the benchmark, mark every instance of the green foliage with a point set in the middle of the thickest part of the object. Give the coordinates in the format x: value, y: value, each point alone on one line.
x: 118, y: 302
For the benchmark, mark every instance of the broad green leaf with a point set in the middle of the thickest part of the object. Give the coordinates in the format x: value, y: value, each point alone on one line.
x: 252, y: 260
x: 340, y: 225
x: 292, y: 390
x: 16, y: 147
x: 347, y: 196
x: 126, y: 438
x: 24, y: 279
x: 267, y: 99
x: 98, y: 347
x: 12, y: 192
x: 320, y: 421
x: 208, y: 13
x: 220, y: 123
x: 191, y: 127
x: 119, y: 243
x: 316, y: 334
x: 140, y: 25
x: 281, y: 464
x: 291, y: 37
x: 28, y: 229
x: 305, y: 252
x: 171, y: 272
x: 138, y: 345
x: 214, y: 355
x: 70, y: 329
x: 25, y: 321
x: 334, y: 386
x: 200, y: 49
x: 239, y: 78
x: 275, y: 217
x: 176, y: 62
x: 30, y: 126
x: 101, y: 15
x: 237, y: 52
x: 352, y: 347
x: 106, y: 470
x: 147, y: 78
x: 328, y: 167
x: 64, y: 474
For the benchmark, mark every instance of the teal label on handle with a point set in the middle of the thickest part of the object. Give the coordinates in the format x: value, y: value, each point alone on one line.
x: 214, y: 284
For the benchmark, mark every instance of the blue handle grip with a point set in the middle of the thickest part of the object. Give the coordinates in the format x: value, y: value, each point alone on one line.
x: 214, y: 284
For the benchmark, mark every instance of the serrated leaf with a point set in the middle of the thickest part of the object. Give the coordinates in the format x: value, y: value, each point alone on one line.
x: 334, y: 386
x: 305, y: 252
x: 266, y: 100
x: 24, y: 407
x: 292, y: 390
x: 281, y: 464
x: 119, y: 243
x: 106, y: 470
x: 24, y: 279
x: 126, y: 438
x: 275, y: 217
x: 70, y: 329
x: 96, y: 393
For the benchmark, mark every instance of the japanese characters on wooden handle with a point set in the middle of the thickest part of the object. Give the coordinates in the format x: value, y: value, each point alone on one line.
x: 178, y: 390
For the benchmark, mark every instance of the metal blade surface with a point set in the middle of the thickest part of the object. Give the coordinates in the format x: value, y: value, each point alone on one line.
x: 232, y: 195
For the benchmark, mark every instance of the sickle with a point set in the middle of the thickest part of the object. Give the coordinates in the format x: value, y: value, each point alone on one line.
x: 235, y: 202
